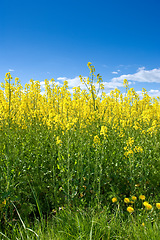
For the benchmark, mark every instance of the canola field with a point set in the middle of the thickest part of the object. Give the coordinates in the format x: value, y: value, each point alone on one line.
x: 79, y: 149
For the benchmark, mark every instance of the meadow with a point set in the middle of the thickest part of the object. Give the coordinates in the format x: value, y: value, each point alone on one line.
x: 78, y: 166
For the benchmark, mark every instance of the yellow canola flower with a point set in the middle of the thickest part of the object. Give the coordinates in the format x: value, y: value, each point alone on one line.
x: 138, y: 149
x: 114, y: 199
x: 96, y: 140
x: 8, y: 76
x: 130, y: 209
x: 58, y: 140
x: 158, y: 205
x: 103, y: 131
x: 57, y: 109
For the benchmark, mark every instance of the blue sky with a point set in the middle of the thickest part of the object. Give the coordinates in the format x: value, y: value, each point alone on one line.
x: 56, y: 39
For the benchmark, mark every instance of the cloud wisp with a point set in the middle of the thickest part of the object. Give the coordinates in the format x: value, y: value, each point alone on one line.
x: 142, y: 75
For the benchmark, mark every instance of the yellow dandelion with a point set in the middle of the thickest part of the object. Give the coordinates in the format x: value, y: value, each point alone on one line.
x: 130, y: 209
x: 158, y: 205
x: 134, y: 198
x: 142, y: 197
x: 126, y: 200
x: 148, y: 206
x: 145, y: 203
x: 114, y: 199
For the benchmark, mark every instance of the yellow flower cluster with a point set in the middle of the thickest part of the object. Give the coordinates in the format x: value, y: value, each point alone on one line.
x: 132, y: 201
x: 96, y: 141
x: 103, y: 131
x: 130, y: 149
x: 57, y: 107
x: 147, y: 205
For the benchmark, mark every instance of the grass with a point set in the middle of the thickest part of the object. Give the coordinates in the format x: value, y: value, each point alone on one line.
x: 97, y: 224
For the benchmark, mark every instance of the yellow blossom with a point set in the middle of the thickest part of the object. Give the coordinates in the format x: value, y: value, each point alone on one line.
x: 130, y: 209
x: 158, y: 205
x: 148, y: 206
x: 145, y: 203
x: 96, y: 140
x: 142, y: 197
x: 58, y: 140
x: 126, y: 200
x: 134, y: 198
x: 114, y: 199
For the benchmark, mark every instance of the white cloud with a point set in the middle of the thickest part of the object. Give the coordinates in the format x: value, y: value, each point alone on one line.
x: 116, y: 72
x: 140, y: 68
x: 74, y: 82
x: 11, y: 70
x: 112, y: 85
x: 42, y: 83
x: 61, y: 78
x: 141, y: 75
x: 154, y: 93
x: 151, y: 93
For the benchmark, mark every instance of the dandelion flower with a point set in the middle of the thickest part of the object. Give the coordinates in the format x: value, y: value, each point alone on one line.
x: 158, y: 205
x: 114, y: 199
x: 145, y: 203
x: 126, y: 200
x: 148, y: 206
x: 130, y: 209
x: 134, y: 198
x: 142, y: 197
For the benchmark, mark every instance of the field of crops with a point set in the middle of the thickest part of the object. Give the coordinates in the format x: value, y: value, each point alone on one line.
x: 84, y: 149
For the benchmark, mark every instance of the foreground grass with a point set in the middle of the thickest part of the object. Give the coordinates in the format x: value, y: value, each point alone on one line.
x: 97, y: 224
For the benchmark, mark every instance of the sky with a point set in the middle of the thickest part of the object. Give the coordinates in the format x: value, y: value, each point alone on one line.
x: 56, y: 39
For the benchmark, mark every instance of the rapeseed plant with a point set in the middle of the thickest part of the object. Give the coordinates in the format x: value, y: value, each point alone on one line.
x: 75, y: 147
